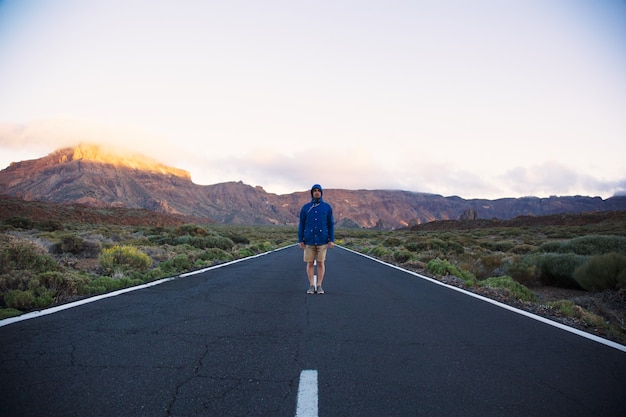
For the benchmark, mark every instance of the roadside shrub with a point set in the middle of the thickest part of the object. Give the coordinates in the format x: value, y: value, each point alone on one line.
x: 261, y: 247
x: 215, y: 254
x: 380, y: 252
x: 107, y: 284
x: 5, y: 313
x: 440, y: 267
x: 392, y: 242
x: 177, y: 264
x: 245, y: 253
x: 123, y: 258
x: 488, y: 265
x: 25, y: 256
x: 15, y: 280
x: 19, y: 299
x: 402, y: 256
x: 28, y: 299
x: 514, y: 288
x: 568, y: 308
x: 522, y: 270
x: 557, y: 269
x: 64, y: 285
x: 602, y: 272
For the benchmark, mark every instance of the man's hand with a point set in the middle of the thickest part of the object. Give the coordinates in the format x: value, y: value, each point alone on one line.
x: 301, y: 245
x: 331, y: 245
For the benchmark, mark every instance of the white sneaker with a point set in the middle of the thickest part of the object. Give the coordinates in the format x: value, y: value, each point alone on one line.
x: 320, y: 290
x: 311, y: 290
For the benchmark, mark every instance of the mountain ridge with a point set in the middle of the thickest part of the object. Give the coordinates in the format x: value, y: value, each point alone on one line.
x: 100, y: 177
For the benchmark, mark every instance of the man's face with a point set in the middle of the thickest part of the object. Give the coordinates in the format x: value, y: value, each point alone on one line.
x: 317, y: 193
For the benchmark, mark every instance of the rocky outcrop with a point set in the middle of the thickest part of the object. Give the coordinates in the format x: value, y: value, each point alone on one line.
x: 469, y: 214
x: 92, y: 176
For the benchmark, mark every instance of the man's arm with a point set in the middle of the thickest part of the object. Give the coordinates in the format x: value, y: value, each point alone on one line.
x: 331, y: 227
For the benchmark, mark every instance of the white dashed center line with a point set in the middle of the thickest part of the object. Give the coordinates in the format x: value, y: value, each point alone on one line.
x: 307, y: 394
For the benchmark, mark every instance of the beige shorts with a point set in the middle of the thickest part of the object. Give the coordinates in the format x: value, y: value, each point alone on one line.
x: 315, y: 253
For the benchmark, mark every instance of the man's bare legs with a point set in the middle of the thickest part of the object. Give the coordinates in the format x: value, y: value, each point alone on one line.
x: 320, y: 273
x: 310, y: 272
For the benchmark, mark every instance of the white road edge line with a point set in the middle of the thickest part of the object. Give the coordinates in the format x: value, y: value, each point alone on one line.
x: 508, y: 307
x: 307, y: 394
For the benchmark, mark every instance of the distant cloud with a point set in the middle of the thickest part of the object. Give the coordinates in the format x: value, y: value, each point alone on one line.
x: 545, y: 179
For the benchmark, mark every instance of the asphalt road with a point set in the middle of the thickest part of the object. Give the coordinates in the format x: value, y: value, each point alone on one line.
x: 234, y: 340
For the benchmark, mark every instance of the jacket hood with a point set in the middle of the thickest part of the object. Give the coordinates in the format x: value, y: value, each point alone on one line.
x: 319, y: 187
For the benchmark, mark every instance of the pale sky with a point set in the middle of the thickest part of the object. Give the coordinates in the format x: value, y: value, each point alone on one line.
x: 480, y: 99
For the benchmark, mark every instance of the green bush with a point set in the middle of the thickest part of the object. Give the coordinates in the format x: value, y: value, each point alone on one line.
x: 191, y: 230
x: 49, y: 225
x: 566, y: 307
x: 392, y: 242
x: 238, y: 239
x: 19, y: 222
x: 557, y: 269
x: 19, y: 299
x: 438, y: 244
x: 123, y: 258
x: 570, y: 309
x: 69, y: 244
x: 440, y: 267
x: 602, y: 272
x: 549, y: 247
x: 63, y: 284
x: 588, y: 245
x: 18, y: 255
x: 595, y: 245
x: 245, y: 253
x: 380, y: 252
x: 455, y: 247
x: 204, y: 242
x: 415, y: 246
x: 107, y: 284
x: 402, y: 256
x: 261, y: 247
x: 15, y: 280
x: 522, y: 270
x: 179, y: 263
x: 215, y: 254
x: 522, y: 249
x: 501, y: 246
x: 514, y: 288
x: 5, y: 313
x: 488, y: 265
x: 28, y: 299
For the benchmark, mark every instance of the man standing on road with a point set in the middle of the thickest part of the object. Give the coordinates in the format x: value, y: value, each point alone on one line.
x: 316, y: 233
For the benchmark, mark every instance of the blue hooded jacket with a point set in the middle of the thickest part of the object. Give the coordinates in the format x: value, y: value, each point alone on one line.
x: 317, y: 225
